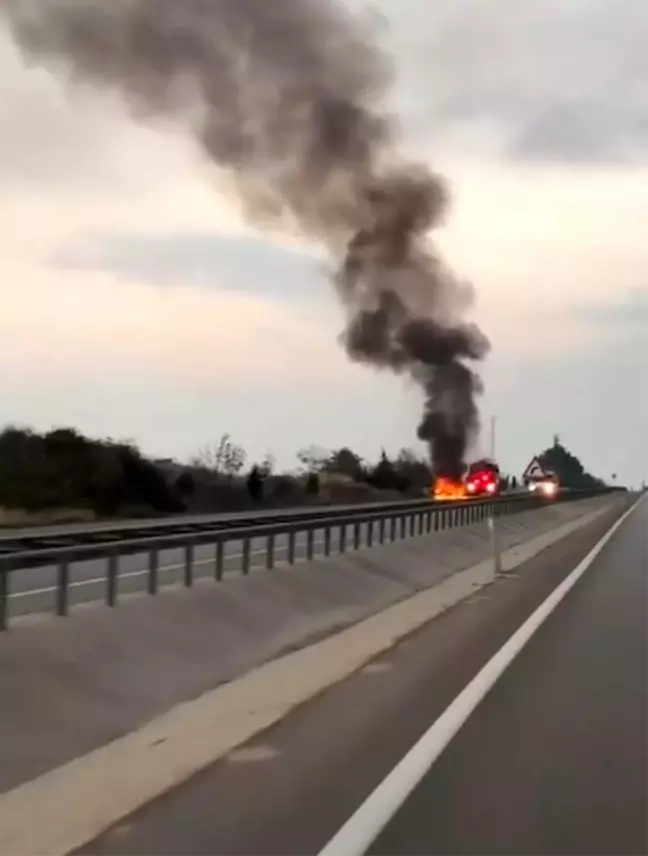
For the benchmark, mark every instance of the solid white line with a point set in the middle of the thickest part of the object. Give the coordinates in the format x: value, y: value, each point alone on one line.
x: 364, y: 826
x: 132, y: 574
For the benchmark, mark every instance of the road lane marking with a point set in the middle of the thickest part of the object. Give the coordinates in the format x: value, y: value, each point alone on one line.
x: 253, y: 754
x: 145, y: 571
x: 377, y: 668
x: 369, y: 820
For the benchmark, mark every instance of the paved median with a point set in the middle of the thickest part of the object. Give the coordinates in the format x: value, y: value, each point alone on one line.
x: 127, y: 676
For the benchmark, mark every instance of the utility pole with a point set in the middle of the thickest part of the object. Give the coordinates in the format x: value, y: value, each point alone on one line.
x: 492, y: 519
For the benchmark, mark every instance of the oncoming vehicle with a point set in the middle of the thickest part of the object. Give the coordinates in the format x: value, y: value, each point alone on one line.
x: 483, y: 478
x: 547, y: 485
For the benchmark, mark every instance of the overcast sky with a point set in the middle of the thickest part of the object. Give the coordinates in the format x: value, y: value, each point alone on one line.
x: 135, y: 303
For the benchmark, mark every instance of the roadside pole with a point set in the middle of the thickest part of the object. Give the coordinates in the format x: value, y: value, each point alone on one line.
x: 492, y: 519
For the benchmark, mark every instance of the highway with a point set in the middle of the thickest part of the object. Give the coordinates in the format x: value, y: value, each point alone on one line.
x: 554, y: 760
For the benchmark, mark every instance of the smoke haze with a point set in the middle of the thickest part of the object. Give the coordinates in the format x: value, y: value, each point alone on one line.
x: 287, y: 99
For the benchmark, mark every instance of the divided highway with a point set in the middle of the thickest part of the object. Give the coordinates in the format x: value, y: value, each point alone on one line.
x: 554, y: 760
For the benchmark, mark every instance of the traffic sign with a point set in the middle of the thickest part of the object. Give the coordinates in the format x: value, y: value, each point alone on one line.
x: 535, y: 470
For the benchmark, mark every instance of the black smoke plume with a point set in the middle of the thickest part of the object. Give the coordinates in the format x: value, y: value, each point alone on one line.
x: 287, y: 98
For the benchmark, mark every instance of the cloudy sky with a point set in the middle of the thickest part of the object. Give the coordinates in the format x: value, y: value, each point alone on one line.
x: 135, y: 302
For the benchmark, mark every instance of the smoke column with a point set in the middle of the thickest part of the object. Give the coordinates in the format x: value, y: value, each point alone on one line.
x: 287, y: 98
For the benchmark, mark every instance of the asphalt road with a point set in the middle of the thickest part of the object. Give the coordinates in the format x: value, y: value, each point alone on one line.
x: 57, y: 530
x: 554, y: 760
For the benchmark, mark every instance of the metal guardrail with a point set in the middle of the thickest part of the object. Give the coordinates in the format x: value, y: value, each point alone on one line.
x: 49, y: 537
x: 380, y: 525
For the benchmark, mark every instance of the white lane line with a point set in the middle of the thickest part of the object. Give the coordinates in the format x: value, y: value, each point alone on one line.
x: 368, y: 821
x: 131, y: 574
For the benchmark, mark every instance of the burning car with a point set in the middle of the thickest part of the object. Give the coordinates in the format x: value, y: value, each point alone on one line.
x: 445, y: 489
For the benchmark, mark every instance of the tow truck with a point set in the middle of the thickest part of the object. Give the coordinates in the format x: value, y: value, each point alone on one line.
x: 483, y: 478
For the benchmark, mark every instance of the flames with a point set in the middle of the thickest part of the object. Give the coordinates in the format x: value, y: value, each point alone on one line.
x: 447, y: 489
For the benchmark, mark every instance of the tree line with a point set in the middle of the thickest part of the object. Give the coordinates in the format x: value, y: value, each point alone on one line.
x: 63, y: 468
x: 568, y: 468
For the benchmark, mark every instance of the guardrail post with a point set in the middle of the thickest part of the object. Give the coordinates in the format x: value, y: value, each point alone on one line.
x: 245, y: 563
x: 310, y: 544
x: 188, y: 565
x: 62, y: 587
x: 403, y: 526
x: 327, y: 541
x: 291, y: 547
x: 270, y: 552
x: 112, y: 580
x: 392, y: 528
x: 220, y: 559
x: 381, y: 530
x: 154, y: 559
x: 343, y: 538
x: 494, y: 533
x: 370, y: 528
x: 4, y: 597
x: 412, y: 524
x: 356, y: 536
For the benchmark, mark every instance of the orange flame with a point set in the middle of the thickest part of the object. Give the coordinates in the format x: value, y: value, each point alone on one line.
x: 447, y: 489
